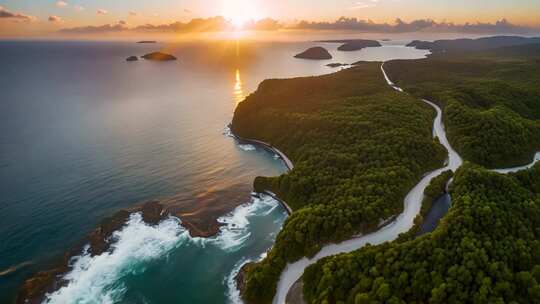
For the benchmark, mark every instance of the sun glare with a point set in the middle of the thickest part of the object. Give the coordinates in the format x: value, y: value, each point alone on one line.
x: 240, y: 12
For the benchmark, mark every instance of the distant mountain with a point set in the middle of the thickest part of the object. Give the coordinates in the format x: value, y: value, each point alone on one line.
x: 472, y: 44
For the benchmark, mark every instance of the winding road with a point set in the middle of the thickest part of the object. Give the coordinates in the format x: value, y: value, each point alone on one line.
x: 402, y: 223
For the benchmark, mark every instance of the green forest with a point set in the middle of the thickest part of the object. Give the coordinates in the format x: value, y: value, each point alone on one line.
x: 358, y: 148
x: 486, y: 250
x: 491, y: 100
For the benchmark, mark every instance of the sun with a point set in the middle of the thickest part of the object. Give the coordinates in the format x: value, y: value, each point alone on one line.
x: 240, y: 12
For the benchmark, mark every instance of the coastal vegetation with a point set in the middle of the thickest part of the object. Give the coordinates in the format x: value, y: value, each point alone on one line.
x: 466, y: 44
x: 486, y: 250
x: 358, y: 147
x: 158, y: 56
x: 491, y: 100
x: 348, y: 45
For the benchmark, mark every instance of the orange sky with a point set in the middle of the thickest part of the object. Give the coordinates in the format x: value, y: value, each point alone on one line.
x: 46, y: 17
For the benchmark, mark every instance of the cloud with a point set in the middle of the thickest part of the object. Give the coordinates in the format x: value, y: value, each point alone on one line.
x: 55, y: 19
x: 107, y: 28
x: 364, y: 4
x: 102, y: 12
x: 61, y: 4
x: 17, y: 17
x: 267, y: 24
x: 213, y: 24
x: 216, y: 24
x: 400, y: 26
x: 79, y: 8
x: 133, y: 14
x: 187, y: 11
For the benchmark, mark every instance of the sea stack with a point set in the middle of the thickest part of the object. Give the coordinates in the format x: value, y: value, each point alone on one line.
x: 158, y: 56
x: 315, y: 53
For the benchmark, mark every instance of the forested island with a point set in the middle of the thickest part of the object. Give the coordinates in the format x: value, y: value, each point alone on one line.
x: 358, y: 147
x: 314, y: 53
x: 348, y: 45
x: 491, y: 100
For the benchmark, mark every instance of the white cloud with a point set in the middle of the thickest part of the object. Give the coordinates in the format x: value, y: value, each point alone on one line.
x: 102, y: 12
x: 364, y: 4
x: 61, y: 4
x: 79, y: 8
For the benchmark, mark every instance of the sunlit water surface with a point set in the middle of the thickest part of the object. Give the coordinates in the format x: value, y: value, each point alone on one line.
x: 85, y: 134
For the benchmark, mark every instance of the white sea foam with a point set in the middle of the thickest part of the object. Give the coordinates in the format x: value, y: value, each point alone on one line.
x: 236, y: 230
x: 98, y: 279
x: 227, y: 131
x: 247, y: 147
x: 232, y: 292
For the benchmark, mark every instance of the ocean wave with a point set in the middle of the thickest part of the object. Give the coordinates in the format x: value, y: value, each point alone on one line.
x: 247, y: 147
x: 227, y: 131
x: 14, y: 269
x: 235, y: 230
x: 97, y: 279
x: 233, y: 293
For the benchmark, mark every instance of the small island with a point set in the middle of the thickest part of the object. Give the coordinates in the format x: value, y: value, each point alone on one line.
x: 158, y: 56
x: 349, y: 45
x: 147, y: 41
x: 132, y: 58
x: 315, y: 53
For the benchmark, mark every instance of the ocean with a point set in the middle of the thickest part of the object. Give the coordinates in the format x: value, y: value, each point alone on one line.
x: 86, y: 134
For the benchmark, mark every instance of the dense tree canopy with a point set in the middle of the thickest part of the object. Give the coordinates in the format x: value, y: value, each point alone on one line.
x: 491, y: 100
x: 358, y: 148
x: 486, y: 250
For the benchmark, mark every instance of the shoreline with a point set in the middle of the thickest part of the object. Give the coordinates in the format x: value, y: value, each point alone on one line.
x: 288, y: 163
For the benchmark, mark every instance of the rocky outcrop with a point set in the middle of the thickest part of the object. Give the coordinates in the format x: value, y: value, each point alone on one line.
x: 132, y: 58
x: 315, y: 53
x: 241, y: 277
x: 36, y: 287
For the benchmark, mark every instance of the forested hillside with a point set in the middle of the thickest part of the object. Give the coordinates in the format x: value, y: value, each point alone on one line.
x: 491, y: 100
x: 358, y: 148
x: 486, y: 250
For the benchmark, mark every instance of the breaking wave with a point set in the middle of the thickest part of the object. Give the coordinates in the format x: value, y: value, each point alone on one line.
x: 99, y: 279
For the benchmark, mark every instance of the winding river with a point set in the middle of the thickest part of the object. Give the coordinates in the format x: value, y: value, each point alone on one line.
x: 401, y: 224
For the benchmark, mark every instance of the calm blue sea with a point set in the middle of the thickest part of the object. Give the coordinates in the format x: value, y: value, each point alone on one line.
x: 85, y: 134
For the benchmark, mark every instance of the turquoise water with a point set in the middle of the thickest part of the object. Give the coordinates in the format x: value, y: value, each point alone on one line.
x: 85, y: 134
